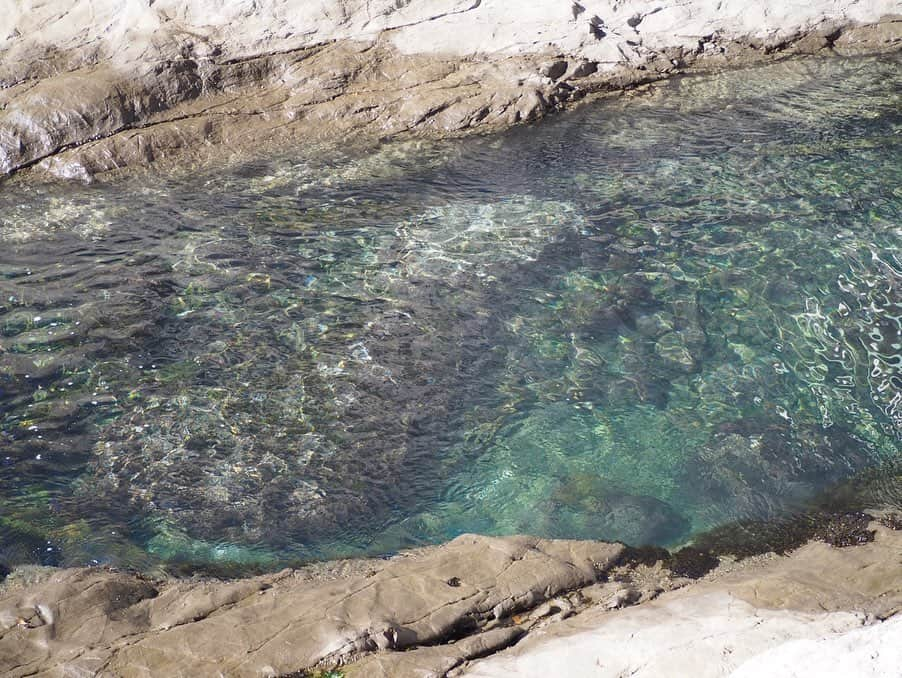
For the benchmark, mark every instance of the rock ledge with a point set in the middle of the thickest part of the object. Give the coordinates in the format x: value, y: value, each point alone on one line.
x: 91, y: 87
x: 439, y: 610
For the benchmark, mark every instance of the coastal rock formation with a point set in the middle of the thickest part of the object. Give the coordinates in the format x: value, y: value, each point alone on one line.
x: 439, y: 610
x: 680, y: 635
x: 100, y: 622
x: 90, y: 87
x: 821, y: 610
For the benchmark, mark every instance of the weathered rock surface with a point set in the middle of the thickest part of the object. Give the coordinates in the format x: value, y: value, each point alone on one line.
x: 817, y: 612
x: 92, y: 621
x: 89, y: 87
x: 709, y: 635
x: 584, y: 609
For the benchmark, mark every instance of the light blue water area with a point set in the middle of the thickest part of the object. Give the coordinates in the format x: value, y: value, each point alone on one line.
x: 637, y: 321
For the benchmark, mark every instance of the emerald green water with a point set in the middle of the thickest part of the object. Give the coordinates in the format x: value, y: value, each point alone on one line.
x: 637, y: 321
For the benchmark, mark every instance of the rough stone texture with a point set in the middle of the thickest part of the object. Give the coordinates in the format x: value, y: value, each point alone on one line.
x: 581, y: 606
x: 92, y: 621
x: 817, y: 612
x: 88, y: 87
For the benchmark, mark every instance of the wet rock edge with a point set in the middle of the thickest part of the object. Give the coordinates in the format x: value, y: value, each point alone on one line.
x: 196, y: 110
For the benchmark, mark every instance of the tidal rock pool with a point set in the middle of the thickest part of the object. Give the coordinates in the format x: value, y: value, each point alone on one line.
x: 639, y: 321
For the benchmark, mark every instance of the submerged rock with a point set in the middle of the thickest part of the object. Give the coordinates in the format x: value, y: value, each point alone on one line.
x: 294, y: 406
x: 765, y: 475
x: 673, y: 350
x: 611, y: 513
x: 653, y: 325
x: 639, y: 520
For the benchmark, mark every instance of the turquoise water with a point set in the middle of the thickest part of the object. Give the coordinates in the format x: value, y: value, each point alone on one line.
x: 637, y: 321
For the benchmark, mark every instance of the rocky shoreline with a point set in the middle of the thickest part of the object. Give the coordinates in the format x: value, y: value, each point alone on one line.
x: 89, y: 90
x: 581, y: 607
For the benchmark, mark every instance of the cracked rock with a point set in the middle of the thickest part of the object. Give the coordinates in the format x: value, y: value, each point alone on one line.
x: 285, y: 622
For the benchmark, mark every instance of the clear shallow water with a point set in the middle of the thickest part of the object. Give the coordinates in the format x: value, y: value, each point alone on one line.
x: 637, y: 321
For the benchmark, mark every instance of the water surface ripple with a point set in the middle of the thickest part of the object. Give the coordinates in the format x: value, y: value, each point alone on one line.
x: 638, y: 321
